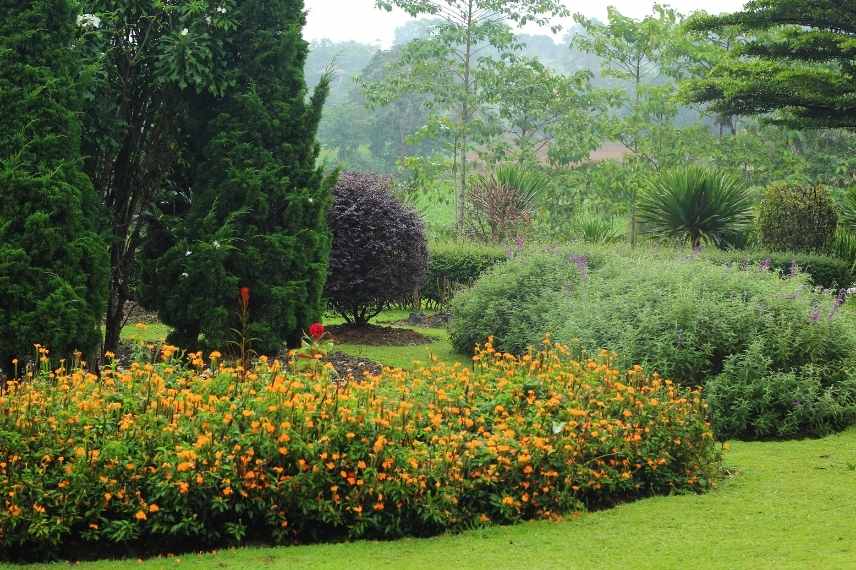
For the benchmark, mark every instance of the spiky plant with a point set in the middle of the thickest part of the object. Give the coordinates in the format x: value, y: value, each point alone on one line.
x: 695, y: 205
x: 500, y: 203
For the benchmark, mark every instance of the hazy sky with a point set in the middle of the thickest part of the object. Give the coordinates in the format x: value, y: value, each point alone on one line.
x: 359, y: 19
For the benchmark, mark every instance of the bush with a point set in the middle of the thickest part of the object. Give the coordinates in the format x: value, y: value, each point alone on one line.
x: 379, y: 251
x: 509, y: 302
x: 824, y: 271
x: 166, y: 456
x: 457, y: 265
x: 683, y: 317
x: 798, y: 218
x: 53, y: 264
x: 695, y: 205
x: 750, y: 399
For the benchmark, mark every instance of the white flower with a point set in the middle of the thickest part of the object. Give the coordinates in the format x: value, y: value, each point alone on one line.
x: 185, y: 275
x: 221, y: 10
x: 185, y: 31
x: 88, y: 21
x: 311, y: 201
x: 216, y: 244
x: 208, y: 20
x: 188, y: 254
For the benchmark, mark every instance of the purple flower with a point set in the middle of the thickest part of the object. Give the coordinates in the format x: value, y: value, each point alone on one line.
x: 582, y: 263
x: 519, y: 243
x: 766, y: 264
x: 794, y: 269
x: 838, y: 303
x: 815, y: 315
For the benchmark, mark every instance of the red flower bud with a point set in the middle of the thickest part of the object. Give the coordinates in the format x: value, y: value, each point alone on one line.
x: 245, y: 295
x: 316, y: 331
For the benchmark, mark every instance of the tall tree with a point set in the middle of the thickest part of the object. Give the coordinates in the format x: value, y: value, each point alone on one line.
x: 800, y: 67
x: 52, y: 260
x: 143, y: 62
x: 257, y: 218
x: 445, y: 64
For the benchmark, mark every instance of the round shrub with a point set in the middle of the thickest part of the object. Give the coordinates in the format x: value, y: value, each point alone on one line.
x: 178, y: 458
x: 509, y: 303
x: 379, y: 250
x: 799, y: 218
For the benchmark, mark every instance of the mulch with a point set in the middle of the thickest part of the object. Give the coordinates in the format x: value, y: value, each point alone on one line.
x: 347, y: 365
x: 373, y: 335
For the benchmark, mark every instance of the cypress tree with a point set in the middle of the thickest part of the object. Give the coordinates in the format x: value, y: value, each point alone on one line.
x: 53, y: 264
x: 257, y: 217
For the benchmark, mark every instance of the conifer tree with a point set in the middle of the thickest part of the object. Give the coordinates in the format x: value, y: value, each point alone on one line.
x: 53, y: 263
x: 798, y: 65
x: 257, y: 217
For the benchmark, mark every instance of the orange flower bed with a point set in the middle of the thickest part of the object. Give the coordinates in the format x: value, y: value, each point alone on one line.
x: 190, y: 452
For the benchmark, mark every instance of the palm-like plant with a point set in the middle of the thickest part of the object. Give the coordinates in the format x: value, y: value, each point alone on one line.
x: 696, y: 205
x: 501, y: 202
x: 848, y: 209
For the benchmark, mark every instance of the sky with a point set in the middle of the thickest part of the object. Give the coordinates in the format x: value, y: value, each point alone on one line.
x: 359, y: 20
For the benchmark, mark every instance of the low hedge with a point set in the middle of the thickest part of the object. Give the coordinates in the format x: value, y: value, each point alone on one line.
x: 456, y: 265
x: 824, y: 271
x: 181, y: 456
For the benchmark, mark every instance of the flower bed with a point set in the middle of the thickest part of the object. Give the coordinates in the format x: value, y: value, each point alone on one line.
x: 196, y: 454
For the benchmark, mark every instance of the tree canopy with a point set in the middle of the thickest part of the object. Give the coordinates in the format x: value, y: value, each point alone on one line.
x: 798, y: 64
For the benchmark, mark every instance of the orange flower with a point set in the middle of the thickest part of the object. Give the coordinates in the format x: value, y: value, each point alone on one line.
x: 140, y: 516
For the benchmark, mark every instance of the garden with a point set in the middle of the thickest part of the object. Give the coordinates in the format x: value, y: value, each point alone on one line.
x: 229, y: 339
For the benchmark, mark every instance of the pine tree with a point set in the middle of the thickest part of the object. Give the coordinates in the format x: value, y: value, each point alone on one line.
x: 53, y: 263
x: 259, y: 202
x: 797, y: 66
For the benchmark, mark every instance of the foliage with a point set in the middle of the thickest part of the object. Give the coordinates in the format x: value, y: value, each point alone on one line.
x: 542, y: 115
x: 52, y: 260
x: 696, y: 205
x: 379, y: 250
x: 591, y: 227
x: 749, y: 399
x: 797, y: 65
x: 455, y: 265
x: 259, y: 203
x: 445, y: 65
x: 500, y: 204
x: 848, y: 209
x: 509, y: 303
x: 824, y: 271
x: 140, y: 98
x: 796, y: 217
x: 167, y: 454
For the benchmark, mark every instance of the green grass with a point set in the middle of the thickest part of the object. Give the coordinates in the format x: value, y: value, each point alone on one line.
x: 788, y: 505
x: 407, y: 356
x: 155, y: 332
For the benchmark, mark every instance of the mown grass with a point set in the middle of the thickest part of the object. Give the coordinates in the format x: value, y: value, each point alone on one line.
x: 786, y: 505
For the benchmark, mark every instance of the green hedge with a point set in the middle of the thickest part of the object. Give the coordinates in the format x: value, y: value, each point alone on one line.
x: 455, y: 266
x: 824, y: 271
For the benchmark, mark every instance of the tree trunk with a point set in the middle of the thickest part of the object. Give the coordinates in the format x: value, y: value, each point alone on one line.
x: 119, y: 292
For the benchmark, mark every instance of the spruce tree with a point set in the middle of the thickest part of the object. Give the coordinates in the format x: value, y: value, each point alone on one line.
x: 53, y: 264
x: 257, y: 217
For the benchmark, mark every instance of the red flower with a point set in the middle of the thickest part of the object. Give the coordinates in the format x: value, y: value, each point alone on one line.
x: 245, y: 295
x: 316, y: 331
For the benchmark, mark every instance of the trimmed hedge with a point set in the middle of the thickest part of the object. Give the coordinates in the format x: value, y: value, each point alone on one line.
x: 457, y: 265
x: 824, y: 271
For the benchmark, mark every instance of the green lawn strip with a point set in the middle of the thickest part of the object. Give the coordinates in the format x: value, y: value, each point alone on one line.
x: 409, y: 356
x: 789, y: 505
x: 154, y: 332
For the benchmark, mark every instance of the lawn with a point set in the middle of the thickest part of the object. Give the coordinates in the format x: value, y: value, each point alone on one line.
x: 787, y: 505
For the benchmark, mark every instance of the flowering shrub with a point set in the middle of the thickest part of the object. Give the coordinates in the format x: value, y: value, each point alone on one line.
x: 201, y: 454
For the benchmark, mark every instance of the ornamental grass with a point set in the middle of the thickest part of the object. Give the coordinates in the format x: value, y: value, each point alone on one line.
x: 179, y: 452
